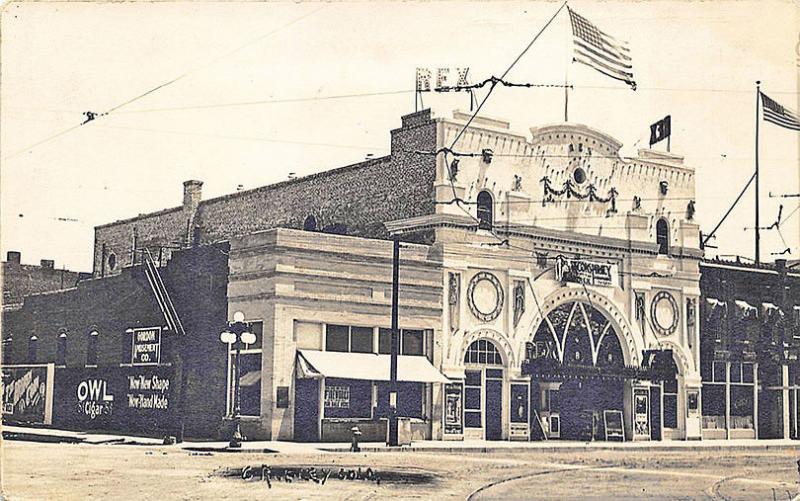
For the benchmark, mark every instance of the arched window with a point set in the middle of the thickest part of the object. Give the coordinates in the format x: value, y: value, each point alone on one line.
x: 662, y: 236
x: 91, y: 348
x: 33, y: 344
x: 483, y: 352
x: 579, y: 334
x: 310, y: 224
x: 485, y: 218
x: 61, y: 350
x: 112, y: 261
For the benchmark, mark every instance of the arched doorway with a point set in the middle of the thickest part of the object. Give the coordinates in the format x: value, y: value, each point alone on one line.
x: 577, y: 370
x: 483, y: 390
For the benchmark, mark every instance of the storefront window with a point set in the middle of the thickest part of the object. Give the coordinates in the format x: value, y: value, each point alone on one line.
x: 337, y: 338
x: 361, y: 339
x: 741, y: 406
x: 347, y: 398
x: 713, y: 403
x: 412, y: 342
x: 747, y: 373
x: 410, y: 400
x: 472, y: 399
x: 249, y: 374
x: 385, y: 341
x: 250, y: 383
x: 719, y: 372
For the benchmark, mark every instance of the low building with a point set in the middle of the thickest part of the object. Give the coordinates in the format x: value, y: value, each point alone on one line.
x: 750, y: 325
x: 138, y: 352
x: 20, y: 280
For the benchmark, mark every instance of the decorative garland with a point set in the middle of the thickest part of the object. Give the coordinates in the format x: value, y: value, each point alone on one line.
x: 569, y: 190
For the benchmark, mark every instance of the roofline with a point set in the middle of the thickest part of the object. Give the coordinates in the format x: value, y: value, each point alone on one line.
x: 267, y: 187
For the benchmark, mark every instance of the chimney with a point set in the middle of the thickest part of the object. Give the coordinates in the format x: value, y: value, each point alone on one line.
x: 14, y: 257
x: 192, y: 194
x: 48, y: 264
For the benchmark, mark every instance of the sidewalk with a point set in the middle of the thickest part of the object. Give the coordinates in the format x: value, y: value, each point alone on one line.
x: 466, y: 446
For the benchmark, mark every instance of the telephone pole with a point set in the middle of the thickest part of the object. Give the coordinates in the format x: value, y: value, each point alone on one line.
x: 393, y: 432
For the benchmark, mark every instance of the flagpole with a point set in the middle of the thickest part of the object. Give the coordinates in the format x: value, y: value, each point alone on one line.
x: 758, y: 226
x: 566, y: 70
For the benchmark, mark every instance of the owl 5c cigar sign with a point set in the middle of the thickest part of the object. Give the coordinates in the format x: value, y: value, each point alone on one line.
x: 134, y: 398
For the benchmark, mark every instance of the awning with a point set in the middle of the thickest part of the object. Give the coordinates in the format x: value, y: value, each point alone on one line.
x: 367, y: 366
x: 771, y: 309
x: 746, y: 310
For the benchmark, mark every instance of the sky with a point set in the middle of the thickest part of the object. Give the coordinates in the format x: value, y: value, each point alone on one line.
x: 248, y: 94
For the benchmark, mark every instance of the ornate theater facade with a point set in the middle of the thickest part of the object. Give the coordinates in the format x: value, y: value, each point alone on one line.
x: 571, y: 285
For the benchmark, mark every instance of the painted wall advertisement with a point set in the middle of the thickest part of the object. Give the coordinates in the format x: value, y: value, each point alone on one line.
x: 115, y: 398
x: 28, y: 394
x: 146, y: 349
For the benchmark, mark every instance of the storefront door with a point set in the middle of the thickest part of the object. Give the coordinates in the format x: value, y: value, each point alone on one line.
x: 494, y: 404
x: 306, y: 411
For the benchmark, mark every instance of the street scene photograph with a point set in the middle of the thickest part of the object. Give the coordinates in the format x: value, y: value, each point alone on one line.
x: 461, y: 250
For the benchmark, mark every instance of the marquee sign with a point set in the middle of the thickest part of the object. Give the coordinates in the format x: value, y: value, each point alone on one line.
x: 585, y: 272
x: 146, y: 349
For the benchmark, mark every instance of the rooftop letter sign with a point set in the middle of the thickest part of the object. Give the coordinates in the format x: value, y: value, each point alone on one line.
x: 446, y: 79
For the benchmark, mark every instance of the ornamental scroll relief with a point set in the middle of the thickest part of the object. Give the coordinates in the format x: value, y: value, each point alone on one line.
x: 519, y: 300
x: 453, y: 295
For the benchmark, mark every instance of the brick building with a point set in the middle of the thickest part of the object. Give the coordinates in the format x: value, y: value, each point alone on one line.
x: 356, y: 199
x: 87, y: 333
x: 20, y: 280
x: 750, y: 342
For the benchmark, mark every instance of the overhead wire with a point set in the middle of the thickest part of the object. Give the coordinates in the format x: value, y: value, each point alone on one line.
x: 270, y: 101
x: 243, y: 138
x: 91, y: 116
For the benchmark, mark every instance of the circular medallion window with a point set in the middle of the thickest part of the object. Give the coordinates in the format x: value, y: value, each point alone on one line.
x: 579, y: 175
x: 664, y: 313
x: 485, y: 296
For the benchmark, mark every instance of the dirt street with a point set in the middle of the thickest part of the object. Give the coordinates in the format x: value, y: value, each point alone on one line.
x: 35, y: 471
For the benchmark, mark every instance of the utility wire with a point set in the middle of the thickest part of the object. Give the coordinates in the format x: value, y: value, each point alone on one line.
x: 270, y: 101
x: 708, y: 237
x: 91, y: 116
x: 243, y: 138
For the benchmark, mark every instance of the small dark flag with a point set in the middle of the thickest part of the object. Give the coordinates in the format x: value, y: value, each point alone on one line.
x: 777, y: 114
x: 660, y: 130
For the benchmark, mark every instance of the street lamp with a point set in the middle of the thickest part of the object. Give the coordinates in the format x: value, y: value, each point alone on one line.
x: 237, y: 333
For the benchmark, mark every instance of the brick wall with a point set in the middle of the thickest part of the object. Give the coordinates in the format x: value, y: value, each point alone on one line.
x: 197, y: 282
x: 20, y: 280
x: 361, y: 197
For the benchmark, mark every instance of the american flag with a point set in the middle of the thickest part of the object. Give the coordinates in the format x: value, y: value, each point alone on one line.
x: 601, y: 51
x: 777, y: 114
